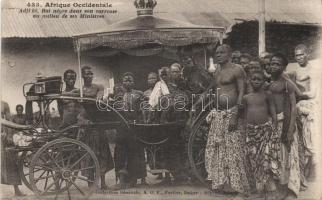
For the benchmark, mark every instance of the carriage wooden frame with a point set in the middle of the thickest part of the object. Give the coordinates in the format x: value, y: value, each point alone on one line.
x: 49, y: 144
x: 50, y: 160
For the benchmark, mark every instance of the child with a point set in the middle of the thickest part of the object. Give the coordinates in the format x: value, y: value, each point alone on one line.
x: 160, y: 89
x: 262, y: 143
x: 254, y: 66
x: 149, y: 115
x: 283, y: 93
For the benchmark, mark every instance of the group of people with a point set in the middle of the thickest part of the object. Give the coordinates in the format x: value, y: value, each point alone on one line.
x: 261, y: 124
x: 261, y: 131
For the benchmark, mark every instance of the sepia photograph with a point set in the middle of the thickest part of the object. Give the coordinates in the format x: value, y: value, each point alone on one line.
x: 161, y: 99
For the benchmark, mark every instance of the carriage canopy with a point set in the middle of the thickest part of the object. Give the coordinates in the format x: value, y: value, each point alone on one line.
x: 148, y: 29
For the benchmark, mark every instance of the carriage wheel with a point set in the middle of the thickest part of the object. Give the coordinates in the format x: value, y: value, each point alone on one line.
x: 64, y: 167
x: 196, y: 149
x: 23, y: 167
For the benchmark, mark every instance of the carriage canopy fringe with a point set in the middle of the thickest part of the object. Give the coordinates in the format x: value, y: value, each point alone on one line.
x: 139, y: 31
x: 138, y: 38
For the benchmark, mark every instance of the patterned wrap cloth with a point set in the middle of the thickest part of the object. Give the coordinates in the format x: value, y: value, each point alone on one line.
x: 262, y: 154
x: 306, y: 110
x: 224, y: 155
x: 290, y: 163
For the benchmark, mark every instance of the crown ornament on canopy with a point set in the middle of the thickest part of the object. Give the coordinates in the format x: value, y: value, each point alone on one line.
x: 145, y: 7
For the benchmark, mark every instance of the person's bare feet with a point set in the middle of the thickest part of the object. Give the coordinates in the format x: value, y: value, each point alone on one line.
x: 290, y: 196
x: 160, y: 177
x: 103, y: 183
x: 18, y: 193
x: 281, y: 195
x: 143, y: 181
x: 118, y: 186
x: 104, y: 187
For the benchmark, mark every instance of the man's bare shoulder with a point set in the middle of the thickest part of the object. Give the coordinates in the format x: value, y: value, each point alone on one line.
x: 247, y: 96
x: 291, y: 68
x: 268, y: 93
x: 283, y: 84
x: 238, y: 70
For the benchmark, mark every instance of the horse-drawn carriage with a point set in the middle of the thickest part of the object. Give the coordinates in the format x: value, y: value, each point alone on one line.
x: 51, y: 159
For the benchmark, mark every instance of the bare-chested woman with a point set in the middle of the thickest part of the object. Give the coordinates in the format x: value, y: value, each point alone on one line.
x: 224, y: 151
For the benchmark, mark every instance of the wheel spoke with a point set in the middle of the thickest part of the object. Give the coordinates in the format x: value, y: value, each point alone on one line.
x: 53, y: 159
x: 37, y: 170
x: 50, y: 186
x: 59, y: 191
x: 42, y: 159
x: 55, y: 178
x: 61, y: 155
x: 58, y: 154
x: 68, y: 192
x: 36, y: 167
x: 46, y: 167
x: 81, y: 158
x: 46, y: 177
x: 40, y: 176
x: 78, y: 188
x: 46, y: 181
x: 61, y: 183
x: 69, y: 158
x: 85, y: 168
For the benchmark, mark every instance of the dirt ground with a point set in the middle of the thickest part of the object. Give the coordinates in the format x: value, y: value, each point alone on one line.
x: 155, y: 191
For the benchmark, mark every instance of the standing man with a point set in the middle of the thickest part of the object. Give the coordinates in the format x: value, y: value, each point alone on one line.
x: 306, y: 76
x: 9, y: 168
x: 69, y: 109
x: 129, y: 154
x: 283, y: 94
x: 95, y: 138
x: 224, y: 156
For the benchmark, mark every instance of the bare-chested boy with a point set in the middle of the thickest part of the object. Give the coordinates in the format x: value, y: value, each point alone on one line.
x: 262, y: 142
x: 283, y: 93
x: 254, y: 66
x: 69, y: 109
